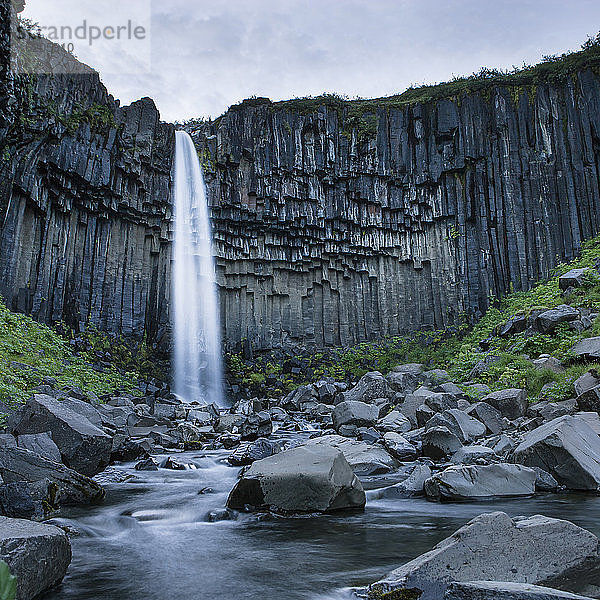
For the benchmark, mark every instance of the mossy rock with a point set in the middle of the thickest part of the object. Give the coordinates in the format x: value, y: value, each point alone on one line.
x: 377, y: 592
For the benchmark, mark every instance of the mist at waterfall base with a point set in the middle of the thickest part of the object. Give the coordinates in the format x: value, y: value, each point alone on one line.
x: 198, y: 372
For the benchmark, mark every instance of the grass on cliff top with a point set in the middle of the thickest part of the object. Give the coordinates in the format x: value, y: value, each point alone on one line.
x: 552, y: 69
x: 30, y: 351
x: 459, y: 350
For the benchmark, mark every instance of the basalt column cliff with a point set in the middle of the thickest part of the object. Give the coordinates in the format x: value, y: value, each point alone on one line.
x: 334, y: 221
x: 85, y: 208
x: 332, y: 229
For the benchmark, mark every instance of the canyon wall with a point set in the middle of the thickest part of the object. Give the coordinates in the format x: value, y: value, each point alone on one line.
x: 331, y: 227
x: 329, y: 235
x: 85, y: 212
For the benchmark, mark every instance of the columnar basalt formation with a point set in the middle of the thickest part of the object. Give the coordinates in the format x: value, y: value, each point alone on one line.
x: 85, y: 210
x: 330, y: 227
x: 328, y: 236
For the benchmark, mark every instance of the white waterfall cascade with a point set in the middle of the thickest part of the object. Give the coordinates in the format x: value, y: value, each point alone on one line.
x: 198, y: 361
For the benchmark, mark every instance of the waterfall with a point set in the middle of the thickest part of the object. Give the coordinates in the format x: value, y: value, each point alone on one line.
x: 198, y: 361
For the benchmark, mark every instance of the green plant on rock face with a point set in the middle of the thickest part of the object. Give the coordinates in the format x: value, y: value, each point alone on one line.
x: 8, y: 583
x: 377, y: 592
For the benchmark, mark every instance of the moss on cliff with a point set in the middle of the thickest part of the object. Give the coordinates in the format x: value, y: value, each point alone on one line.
x: 30, y: 352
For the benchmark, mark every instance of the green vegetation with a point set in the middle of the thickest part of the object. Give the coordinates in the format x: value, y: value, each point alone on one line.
x: 30, y: 351
x: 8, y: 583
x: 377, y: 592
x: 99, y: 117
x: 456, y: 350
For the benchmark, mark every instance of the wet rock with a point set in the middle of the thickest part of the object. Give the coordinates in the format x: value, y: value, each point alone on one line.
x: 512, y: 403
x: 411, y: 487
x: 40, y: 443
x: 469, y: 455
x: 24, y: 500
x: 148, y: 464
x: 586, y: 382
x: 83, y: 447
x: 495, y: 547
x: 589, y: 401
x: 221, y: 514
x: 489, y: 481
x: 502, y: 590
x: 394, y: 421
x: 568, y: 449
x: 355, y: 413
x: 439, y: 443
x: 37, y: 555
x: 300, y: 395
x: 544, y: 482
x: 399, y: 447
x: 247, y: 452
x: 488, y: 415
x: 256, y: 425
x: 229, y: 422
x: 301, y: 480
x: 364, y: 459
x: 17, y: 464
x: 172, y: 464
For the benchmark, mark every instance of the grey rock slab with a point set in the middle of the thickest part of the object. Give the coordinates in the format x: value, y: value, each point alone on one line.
x: 491, y: 417
x: 371, y: 386
x: 567, y: 448
x: 356, y: 413
x: 586, y: 382
x: 399, y: 447
x: 494, y: 547
x: 587, y: 348
x: 469, y: 455
x: 40, y: 443
x: 37, y: 555
x: 503, y: 590
x: 512, y: 402
x: 365, y: 459
x: 18, y: 464
x: 394, y: 421
x: 573, y: 278
x: 83, y: 447
x: 304, y: 479
x: 547, y: 321
x: 439, y: 443
x: 480, y: 482
x: 411, y: 487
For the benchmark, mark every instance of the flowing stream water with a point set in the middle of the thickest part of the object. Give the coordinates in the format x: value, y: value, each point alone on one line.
x: 155, y: 538
x: 197, y: 366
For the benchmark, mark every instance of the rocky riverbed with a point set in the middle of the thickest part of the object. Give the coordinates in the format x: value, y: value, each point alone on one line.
x: 344, y: 483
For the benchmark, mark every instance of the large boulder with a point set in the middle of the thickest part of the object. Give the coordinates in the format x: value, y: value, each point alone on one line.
x: 573, y: 278
x: 364, y: 459
x: 301, y: 480
x: 399, y: 447
x: 247, y: 452
x: 40, y: 443
x: 83, y: 447
x: 356, y: 413
x: 494, y: 547
x: 37, y: 555
x: 547, y: 321
x: 512, y: 403
x: 589, y: 400
x: 491, y: 417
x: 371, y: 386
x: 439, y: 443
x: 502, y: 590
x: 18, y: 464
x: 25, y: 500
x: 474, y: 481
x: 409, y: 488
x: 587, y: 348
x: 568, y: 448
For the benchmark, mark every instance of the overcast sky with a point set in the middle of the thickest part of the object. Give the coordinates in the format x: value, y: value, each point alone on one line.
x: 209, y: 54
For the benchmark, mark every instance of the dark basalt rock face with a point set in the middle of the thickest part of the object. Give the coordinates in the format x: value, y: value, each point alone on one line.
x: 329, y: 229
x: 325, y: 237
x: 85, y: 211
